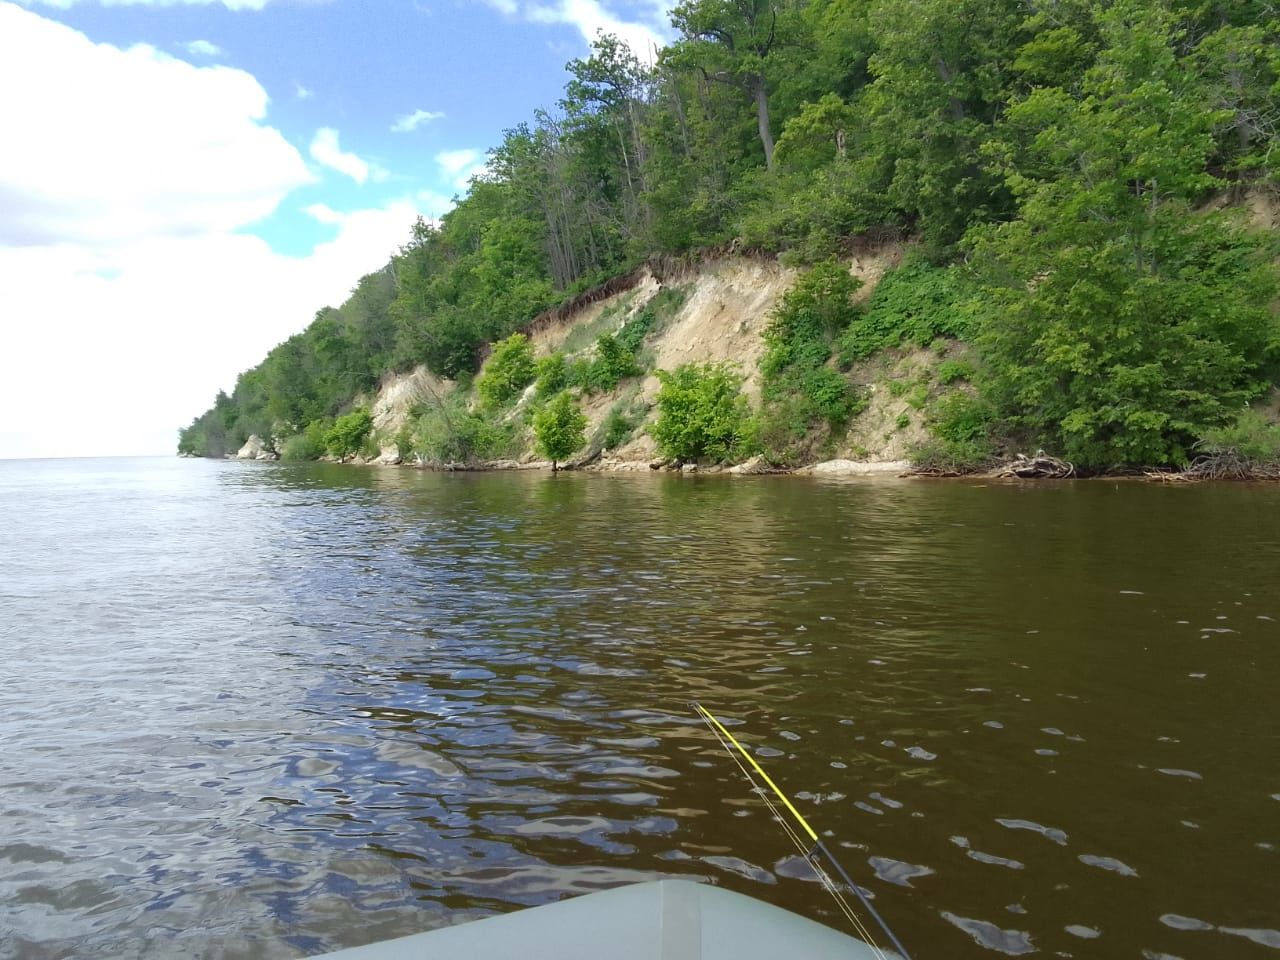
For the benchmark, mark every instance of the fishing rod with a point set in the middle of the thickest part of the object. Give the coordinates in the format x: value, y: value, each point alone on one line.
x: 808, y: 851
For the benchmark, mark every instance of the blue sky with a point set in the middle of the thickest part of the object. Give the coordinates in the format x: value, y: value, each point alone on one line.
x: 185, y: 182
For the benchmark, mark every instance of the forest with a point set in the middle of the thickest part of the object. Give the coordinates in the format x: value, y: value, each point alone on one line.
x: 1070, y: 176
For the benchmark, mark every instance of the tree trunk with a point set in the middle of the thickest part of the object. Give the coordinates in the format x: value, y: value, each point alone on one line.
x: 762, y: 120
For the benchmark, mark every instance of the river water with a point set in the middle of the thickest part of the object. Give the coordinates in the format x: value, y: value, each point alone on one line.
x: 260, y: 710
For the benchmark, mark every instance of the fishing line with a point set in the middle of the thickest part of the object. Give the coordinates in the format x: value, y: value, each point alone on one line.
x: 810, y: 851
x: 806, y: 854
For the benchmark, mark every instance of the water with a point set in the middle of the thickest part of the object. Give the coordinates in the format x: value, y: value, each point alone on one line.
x: 255, y: 710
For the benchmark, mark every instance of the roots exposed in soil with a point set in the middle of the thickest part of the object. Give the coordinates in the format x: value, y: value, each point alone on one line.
x: 1041, y: 466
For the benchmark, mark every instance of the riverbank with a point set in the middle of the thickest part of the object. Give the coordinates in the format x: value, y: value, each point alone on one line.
x: 1018, y: 468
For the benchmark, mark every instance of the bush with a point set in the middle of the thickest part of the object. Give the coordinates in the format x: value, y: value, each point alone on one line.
x: 701, y: 413
x: 1252, y: 437
x: 348, y: 433
x: 559, y: 427
x: 509, y: 369
x: 447, y: 432
x: 308, y: 445
x: 948, y: 457
x: 812, y: 313
x: 661, y: 306
x: 949, y: 371
x: 916, y: 303
x: 613, y: 364
x: 618, y: 428
x: 801, y: 389
x: 552, y: 375
x: 961, y: 418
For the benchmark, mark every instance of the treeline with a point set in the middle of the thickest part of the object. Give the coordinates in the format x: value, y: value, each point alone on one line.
x: 1054, y: 159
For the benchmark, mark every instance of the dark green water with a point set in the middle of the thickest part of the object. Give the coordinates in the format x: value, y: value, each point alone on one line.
x: 264, y: 711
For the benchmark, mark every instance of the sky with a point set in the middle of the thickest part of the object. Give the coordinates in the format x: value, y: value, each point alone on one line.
x: 184, y: 183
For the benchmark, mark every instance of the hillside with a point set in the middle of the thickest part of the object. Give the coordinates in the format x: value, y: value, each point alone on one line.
x: 947, y: 232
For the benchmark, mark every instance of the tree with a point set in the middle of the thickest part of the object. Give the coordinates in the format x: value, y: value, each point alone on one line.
x: 732, y: 42
x: 559, y: 427
x: 348, y: 433
x: 1120, y: 323
x: 940, y: 82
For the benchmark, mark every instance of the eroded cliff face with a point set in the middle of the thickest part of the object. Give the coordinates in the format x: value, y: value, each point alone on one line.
x: 725, y: 308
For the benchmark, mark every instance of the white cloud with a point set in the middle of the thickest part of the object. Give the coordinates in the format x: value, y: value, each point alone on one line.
x: 301, y: 92
x: 151, y: 147
x: 326, y: 152
x: 203, y: 48
x: 131, y: 292
x: 433, y: 204
x: 590, y: 17
x: 412, y: 121
x: 461, y: 165
x: 229, y: 4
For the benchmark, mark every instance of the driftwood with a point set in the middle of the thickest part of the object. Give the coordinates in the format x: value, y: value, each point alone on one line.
x: 1041, y: 466
x: 1229, y: 464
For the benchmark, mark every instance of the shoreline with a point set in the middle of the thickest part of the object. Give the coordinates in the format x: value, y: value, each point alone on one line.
x: 838, y: 469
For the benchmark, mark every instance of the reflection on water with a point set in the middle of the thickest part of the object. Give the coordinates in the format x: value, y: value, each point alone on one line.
x: 262, y: 710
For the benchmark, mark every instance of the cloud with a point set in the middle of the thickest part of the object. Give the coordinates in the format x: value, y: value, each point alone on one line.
x: 461, y: 165
x: 152, y: 147
x: 412, y: 121
x: 114, y: 353
x: 643, y: 35
x: 326, y: 152
x: 132, y: 290
x: 203, y: 48
x: 301, y: 92
x: 433, y: 204
x: 229, y: 4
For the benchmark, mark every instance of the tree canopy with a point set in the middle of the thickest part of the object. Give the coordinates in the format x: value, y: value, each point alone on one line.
x: 1059, y: 154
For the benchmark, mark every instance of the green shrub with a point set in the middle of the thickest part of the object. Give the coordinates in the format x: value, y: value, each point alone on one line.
x: 961, y: 418
x: 916, y: 303
x: 1252, y: 437
x: 404, y: 442
x: 447, y: 432
x: 613, y: 364
x: 812, y: 313
x: 551, y: 375
x: 701, y: 413
x: 618, y: 428
x: 308, y: 445
x: 949, y: 456
x: 801, y: 389
x: 662, y: 305
x: 559, y: 428
x: 949, y: 371
x: 781, y: 429
x: 509, y: 369
x: 903, y: 421
x: 348, y: 433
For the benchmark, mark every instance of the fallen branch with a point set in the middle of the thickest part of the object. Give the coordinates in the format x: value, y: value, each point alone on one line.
x: 1041, y: 466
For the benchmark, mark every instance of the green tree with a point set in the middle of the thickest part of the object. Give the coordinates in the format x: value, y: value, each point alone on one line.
x: 509, y: 369
x: 559, y: 427
x: 733, y: 42
x: 1120, y: 322
x: 348, y: 433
